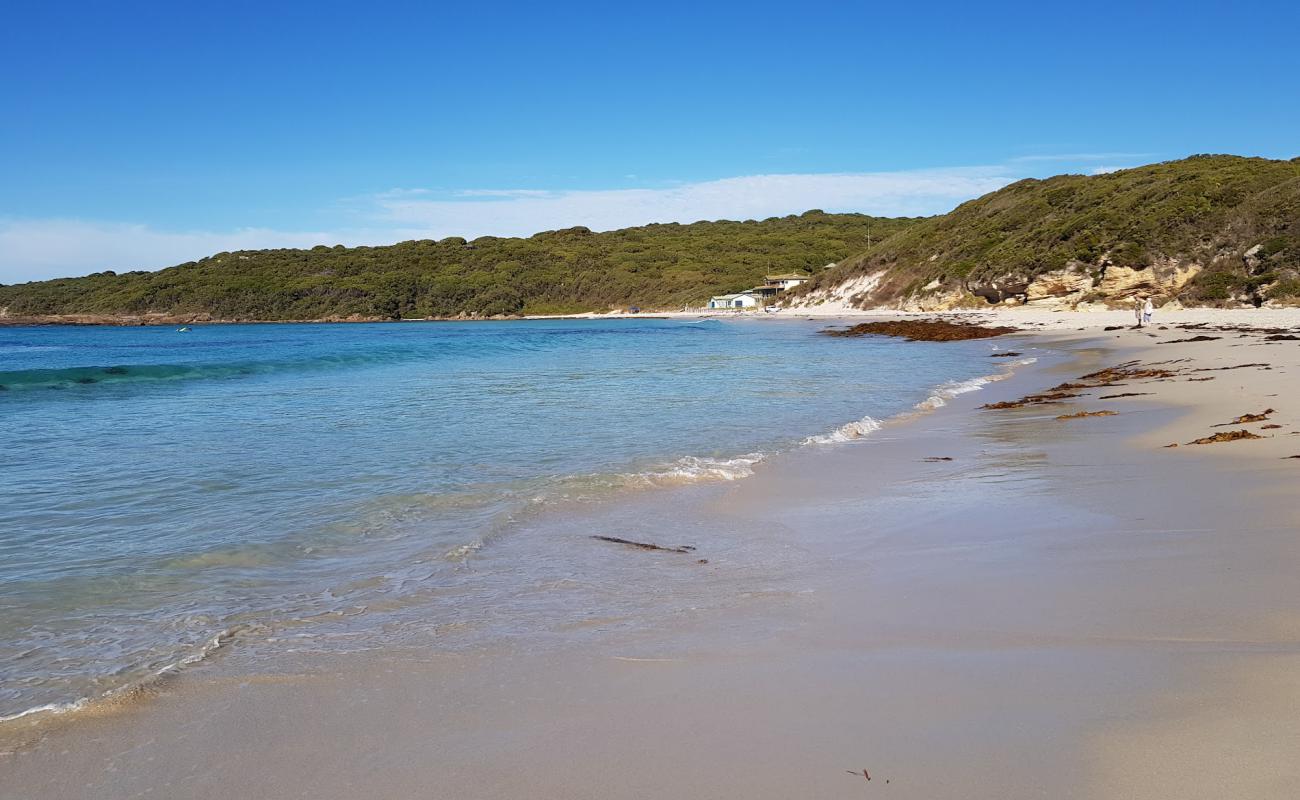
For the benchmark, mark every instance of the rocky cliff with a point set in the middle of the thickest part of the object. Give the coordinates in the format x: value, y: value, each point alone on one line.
x: 1207, y: 230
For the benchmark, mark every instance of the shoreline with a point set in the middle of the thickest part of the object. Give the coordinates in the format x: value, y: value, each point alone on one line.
x: 706, y: 680
x: 1008, y: 314
x: 654, y: 480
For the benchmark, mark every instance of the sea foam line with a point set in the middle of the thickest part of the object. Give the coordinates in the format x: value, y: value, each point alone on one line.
x: 158, y: 675
x: 696, y: 469
x: 860, y: 429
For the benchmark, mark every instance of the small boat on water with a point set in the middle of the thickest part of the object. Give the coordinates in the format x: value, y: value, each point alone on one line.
x: 183, y: 329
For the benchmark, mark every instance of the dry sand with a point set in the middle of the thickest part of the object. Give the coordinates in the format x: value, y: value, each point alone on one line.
x: 1066, y: 608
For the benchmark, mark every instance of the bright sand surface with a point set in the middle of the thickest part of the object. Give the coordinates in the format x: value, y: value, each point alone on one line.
x: 1066, y: 608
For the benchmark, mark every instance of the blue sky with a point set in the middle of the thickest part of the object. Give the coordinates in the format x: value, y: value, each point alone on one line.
x: 136, y: 135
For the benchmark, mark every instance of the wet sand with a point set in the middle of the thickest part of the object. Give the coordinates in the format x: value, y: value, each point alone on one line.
x: 1066, y: 608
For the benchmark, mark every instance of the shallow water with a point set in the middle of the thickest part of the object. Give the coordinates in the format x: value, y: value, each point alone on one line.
x: 320, y: 486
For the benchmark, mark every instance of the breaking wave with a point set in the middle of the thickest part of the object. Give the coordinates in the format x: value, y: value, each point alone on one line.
x: 847, y: 432
x: 125, y: 691
x: 866, y: 426
x: 696, y: 469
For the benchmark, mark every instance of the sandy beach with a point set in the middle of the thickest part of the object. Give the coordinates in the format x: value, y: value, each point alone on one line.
x: 970, y: 603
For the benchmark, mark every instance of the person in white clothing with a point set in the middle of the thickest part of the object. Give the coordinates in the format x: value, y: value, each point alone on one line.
x: 1148, y: 311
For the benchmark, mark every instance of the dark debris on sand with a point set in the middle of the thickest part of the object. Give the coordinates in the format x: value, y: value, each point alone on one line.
x: 1082, y: 414
x: 1130, y: 371
x: 1227, y: 436
x: 915, y: 330
x: 685, y: 548
x: 1245, y: 419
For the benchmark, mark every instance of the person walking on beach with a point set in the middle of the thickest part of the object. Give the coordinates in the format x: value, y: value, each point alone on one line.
x: 1137, y: 310
x: 1148, y: 311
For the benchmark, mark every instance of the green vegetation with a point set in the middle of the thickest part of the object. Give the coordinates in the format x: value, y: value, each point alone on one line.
x: 1238, y: 219
x: 1207, y: 210
x: 573, y: 270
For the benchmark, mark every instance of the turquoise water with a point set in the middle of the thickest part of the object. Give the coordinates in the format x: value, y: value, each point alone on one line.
x: 164, y: 492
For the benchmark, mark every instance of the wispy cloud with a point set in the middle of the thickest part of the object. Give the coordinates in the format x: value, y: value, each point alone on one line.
x: 50, y: 248
x: 522, y: 212
x: 35, y: 249
x: 1105, y: 169
x: 1055, y: 158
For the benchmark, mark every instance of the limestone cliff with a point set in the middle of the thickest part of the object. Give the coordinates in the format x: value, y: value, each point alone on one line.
x: 1207, y: 230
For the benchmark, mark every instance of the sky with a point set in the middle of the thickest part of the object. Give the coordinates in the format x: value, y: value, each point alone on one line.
x: 137, y: 135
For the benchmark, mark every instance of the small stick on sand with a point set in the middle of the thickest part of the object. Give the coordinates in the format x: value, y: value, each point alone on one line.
x: 685, y: 548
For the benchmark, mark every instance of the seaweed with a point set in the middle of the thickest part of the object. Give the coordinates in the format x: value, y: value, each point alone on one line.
x: 1227, y: 436
x: 923, y: 330
x: 1082, y: 414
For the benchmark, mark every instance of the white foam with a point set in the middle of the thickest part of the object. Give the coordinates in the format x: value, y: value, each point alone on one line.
x: 949, y: 390
x: 48, y: 708
x: 211, y: 646
x: 698, y: 469
x: 847, y: 432
x: 942, y: 394
x: 463, y: 551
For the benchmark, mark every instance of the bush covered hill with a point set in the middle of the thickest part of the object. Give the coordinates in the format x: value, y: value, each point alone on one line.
x: 655, y: 266
x: 1206, y: 229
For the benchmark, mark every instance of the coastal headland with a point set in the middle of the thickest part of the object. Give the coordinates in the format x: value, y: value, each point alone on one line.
x: 1020, y: 591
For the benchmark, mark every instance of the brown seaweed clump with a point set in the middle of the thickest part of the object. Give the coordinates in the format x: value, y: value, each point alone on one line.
x: 1260, y: 417
x: 1045, y: 398
x: 1126, y: 372
x: 1082, y: 414
x: 1227, y: 436
x: 916, y: 330
x: 1111, y: 376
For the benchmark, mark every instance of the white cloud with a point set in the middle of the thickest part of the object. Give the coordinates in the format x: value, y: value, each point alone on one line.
x: 50, y: 248
x: 36, y: 249
x: 507, y: 212
x: 1105, y: 169
x: 1063, y: 157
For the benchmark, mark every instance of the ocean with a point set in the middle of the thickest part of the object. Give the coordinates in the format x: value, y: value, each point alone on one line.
x: 168, y: 494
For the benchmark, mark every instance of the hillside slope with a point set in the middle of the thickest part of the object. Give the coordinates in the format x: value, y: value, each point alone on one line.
x: 655, y: 266
x: 1205, y: 230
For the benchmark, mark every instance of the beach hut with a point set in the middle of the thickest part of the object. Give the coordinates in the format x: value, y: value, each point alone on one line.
x: 737, y: 300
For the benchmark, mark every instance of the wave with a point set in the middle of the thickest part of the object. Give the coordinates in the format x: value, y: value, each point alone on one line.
x: 124, y: 692
x: 588, y: 487
x: 847, y: 432
x: 697, y: 469
x: 944, y: 392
